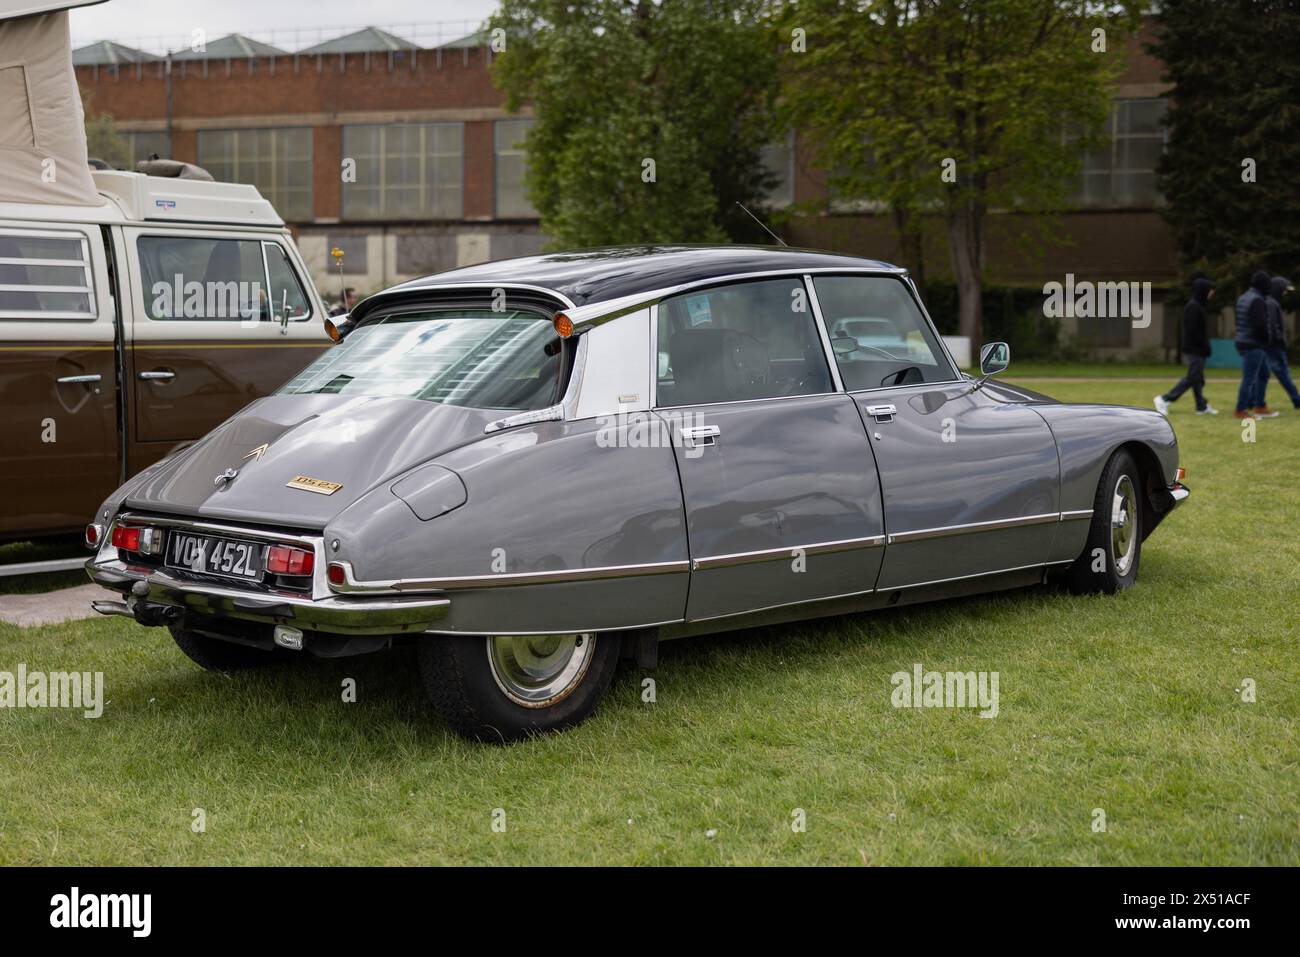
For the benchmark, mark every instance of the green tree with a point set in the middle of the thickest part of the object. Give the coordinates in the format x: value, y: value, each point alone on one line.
x: 650, y: 116
x: 955, y: 107
x: 104, y: 141
x: 1229, y: 172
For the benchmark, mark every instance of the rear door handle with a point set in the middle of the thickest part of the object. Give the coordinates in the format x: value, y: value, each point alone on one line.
x: 701, y: 435
x: 70, y: 379
x: 882, y: 413
x: 157, y: 374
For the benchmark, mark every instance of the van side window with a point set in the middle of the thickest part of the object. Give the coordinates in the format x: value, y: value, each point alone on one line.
x: 196, y: 277
x: 751, y: 340
x: 286, y: 291
x: 45, y: 275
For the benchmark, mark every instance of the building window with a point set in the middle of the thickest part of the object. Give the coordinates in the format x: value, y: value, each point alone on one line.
x: 778, y: 160
x: 1123, y: 171
x: 277, y: 162
x: 405, y: 171
x: 510, y: 164
x: 148, y: 143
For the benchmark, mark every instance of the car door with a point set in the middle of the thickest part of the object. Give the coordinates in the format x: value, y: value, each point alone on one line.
x: 971, y: 484
x: 58, y: 433
x: 207, y: 330
x: 781, y: 494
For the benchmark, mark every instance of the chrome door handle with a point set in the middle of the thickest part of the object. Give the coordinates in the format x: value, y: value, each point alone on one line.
x: 701, y: 435
x: 882, y: 413
x: 157, y: 374
x: 70, y: 379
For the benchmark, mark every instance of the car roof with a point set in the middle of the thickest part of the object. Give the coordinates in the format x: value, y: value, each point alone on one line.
x: 589, y: 276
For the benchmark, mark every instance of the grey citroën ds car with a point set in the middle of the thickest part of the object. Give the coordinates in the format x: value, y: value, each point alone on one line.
x: 532, y: 468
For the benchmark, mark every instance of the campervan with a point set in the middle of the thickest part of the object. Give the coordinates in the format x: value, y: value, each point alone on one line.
x: 137, y: 311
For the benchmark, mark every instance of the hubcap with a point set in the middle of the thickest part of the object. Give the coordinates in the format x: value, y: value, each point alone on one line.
x: 1123, y: 525
x: 538, y: 670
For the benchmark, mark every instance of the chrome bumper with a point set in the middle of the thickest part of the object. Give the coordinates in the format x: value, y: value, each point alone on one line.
x: 1178, y: 493
x: 336, y: 615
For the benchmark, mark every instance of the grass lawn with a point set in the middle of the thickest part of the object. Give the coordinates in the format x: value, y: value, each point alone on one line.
x: 1128, y: 704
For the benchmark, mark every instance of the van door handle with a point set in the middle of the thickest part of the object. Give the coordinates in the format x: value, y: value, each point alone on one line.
x: 882, y: 413
x: 701, y: 435
x: 157, y: 374
x: 70, y: 379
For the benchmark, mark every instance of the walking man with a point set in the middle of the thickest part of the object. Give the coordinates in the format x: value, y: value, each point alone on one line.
x: 1196, y: 349
x: 1252, y: 336
x: 1275, y: 348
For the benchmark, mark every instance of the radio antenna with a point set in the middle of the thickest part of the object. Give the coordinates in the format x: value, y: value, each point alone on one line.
x: 760, y: 223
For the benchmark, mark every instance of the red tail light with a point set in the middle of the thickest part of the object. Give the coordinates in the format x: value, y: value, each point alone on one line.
x: 335, y: 574
x: 92, y: 535
x: 126, y: 538
x: 283, y: 560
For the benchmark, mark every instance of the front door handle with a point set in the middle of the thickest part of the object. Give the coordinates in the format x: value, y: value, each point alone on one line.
x: 701, y: 435
x: 157, y: 374
x: 882, y: 413
x: 70, y: 379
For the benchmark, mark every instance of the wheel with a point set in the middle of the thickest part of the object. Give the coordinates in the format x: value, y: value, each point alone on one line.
x: 1109, y: 561
x: 506, y: 687
x: 213, y: 654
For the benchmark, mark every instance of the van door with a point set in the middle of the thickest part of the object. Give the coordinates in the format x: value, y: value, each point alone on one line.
x: 219, y: 319
x: 58, y: 390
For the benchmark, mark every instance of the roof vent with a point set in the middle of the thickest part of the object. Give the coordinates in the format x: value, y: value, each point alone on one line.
x: 173, y: 169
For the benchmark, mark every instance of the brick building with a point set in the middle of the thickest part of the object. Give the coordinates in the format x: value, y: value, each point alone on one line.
x: 437, y: 175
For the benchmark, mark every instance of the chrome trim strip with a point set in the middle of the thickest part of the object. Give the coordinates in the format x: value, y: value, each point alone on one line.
x: 597, y: 631
x: 820, y: 322
x: 204, y: 526
x: 786, y: 604
x: 352, y: 585
x: 945, y: 531
x: 775, y: 554
x: 961, y: 578
x: 1076, y: 514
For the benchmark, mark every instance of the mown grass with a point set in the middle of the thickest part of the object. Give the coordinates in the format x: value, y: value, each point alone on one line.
x: 1128, y: 704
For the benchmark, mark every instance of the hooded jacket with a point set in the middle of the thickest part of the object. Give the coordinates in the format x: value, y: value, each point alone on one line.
x: 1196, y: 339
x: 1252, y: 313
x: 1275, y: 327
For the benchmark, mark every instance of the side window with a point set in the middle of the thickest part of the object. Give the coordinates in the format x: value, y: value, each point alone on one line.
x: 753, y: 340
x: 878, y: 334
x: 45, y: 275
x: 286, y: 291
x: 202, y: 278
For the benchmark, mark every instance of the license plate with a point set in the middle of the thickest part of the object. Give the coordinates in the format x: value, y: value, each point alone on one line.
x: 225, y: 557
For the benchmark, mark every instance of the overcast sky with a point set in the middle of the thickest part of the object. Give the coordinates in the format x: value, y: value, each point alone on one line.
x: 154, y: 24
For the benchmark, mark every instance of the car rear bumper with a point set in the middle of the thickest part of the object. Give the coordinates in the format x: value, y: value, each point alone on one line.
x: 150, y: 592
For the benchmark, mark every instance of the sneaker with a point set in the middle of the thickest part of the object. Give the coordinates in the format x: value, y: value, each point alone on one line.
x: 1264, y: 412
x: 1161, y: 405
x: 1240, y: 414
x: 1208, y: 410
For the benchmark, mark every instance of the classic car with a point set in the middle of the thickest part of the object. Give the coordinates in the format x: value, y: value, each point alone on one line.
x: 498, y: 465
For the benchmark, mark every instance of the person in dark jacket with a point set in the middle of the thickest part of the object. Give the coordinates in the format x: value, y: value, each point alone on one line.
x: 1275, y: 345
x: 1252, y: 337
x: 1196, y: 349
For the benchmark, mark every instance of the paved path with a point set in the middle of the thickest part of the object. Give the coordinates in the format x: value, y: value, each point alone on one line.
x: 51, y: 608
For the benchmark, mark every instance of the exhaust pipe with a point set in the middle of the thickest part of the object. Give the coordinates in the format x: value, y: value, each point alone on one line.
x: 112, y: 608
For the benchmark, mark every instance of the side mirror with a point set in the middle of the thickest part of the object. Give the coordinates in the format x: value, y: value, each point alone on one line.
x: 994, y: 358
x: 844, y: 345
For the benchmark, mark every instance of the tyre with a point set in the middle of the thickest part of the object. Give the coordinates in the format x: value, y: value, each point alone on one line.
x: 505, y: 687
x: 1109, y: 561
x: 213, y: 654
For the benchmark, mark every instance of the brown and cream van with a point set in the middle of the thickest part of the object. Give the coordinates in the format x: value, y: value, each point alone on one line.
x: 131, y: 328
